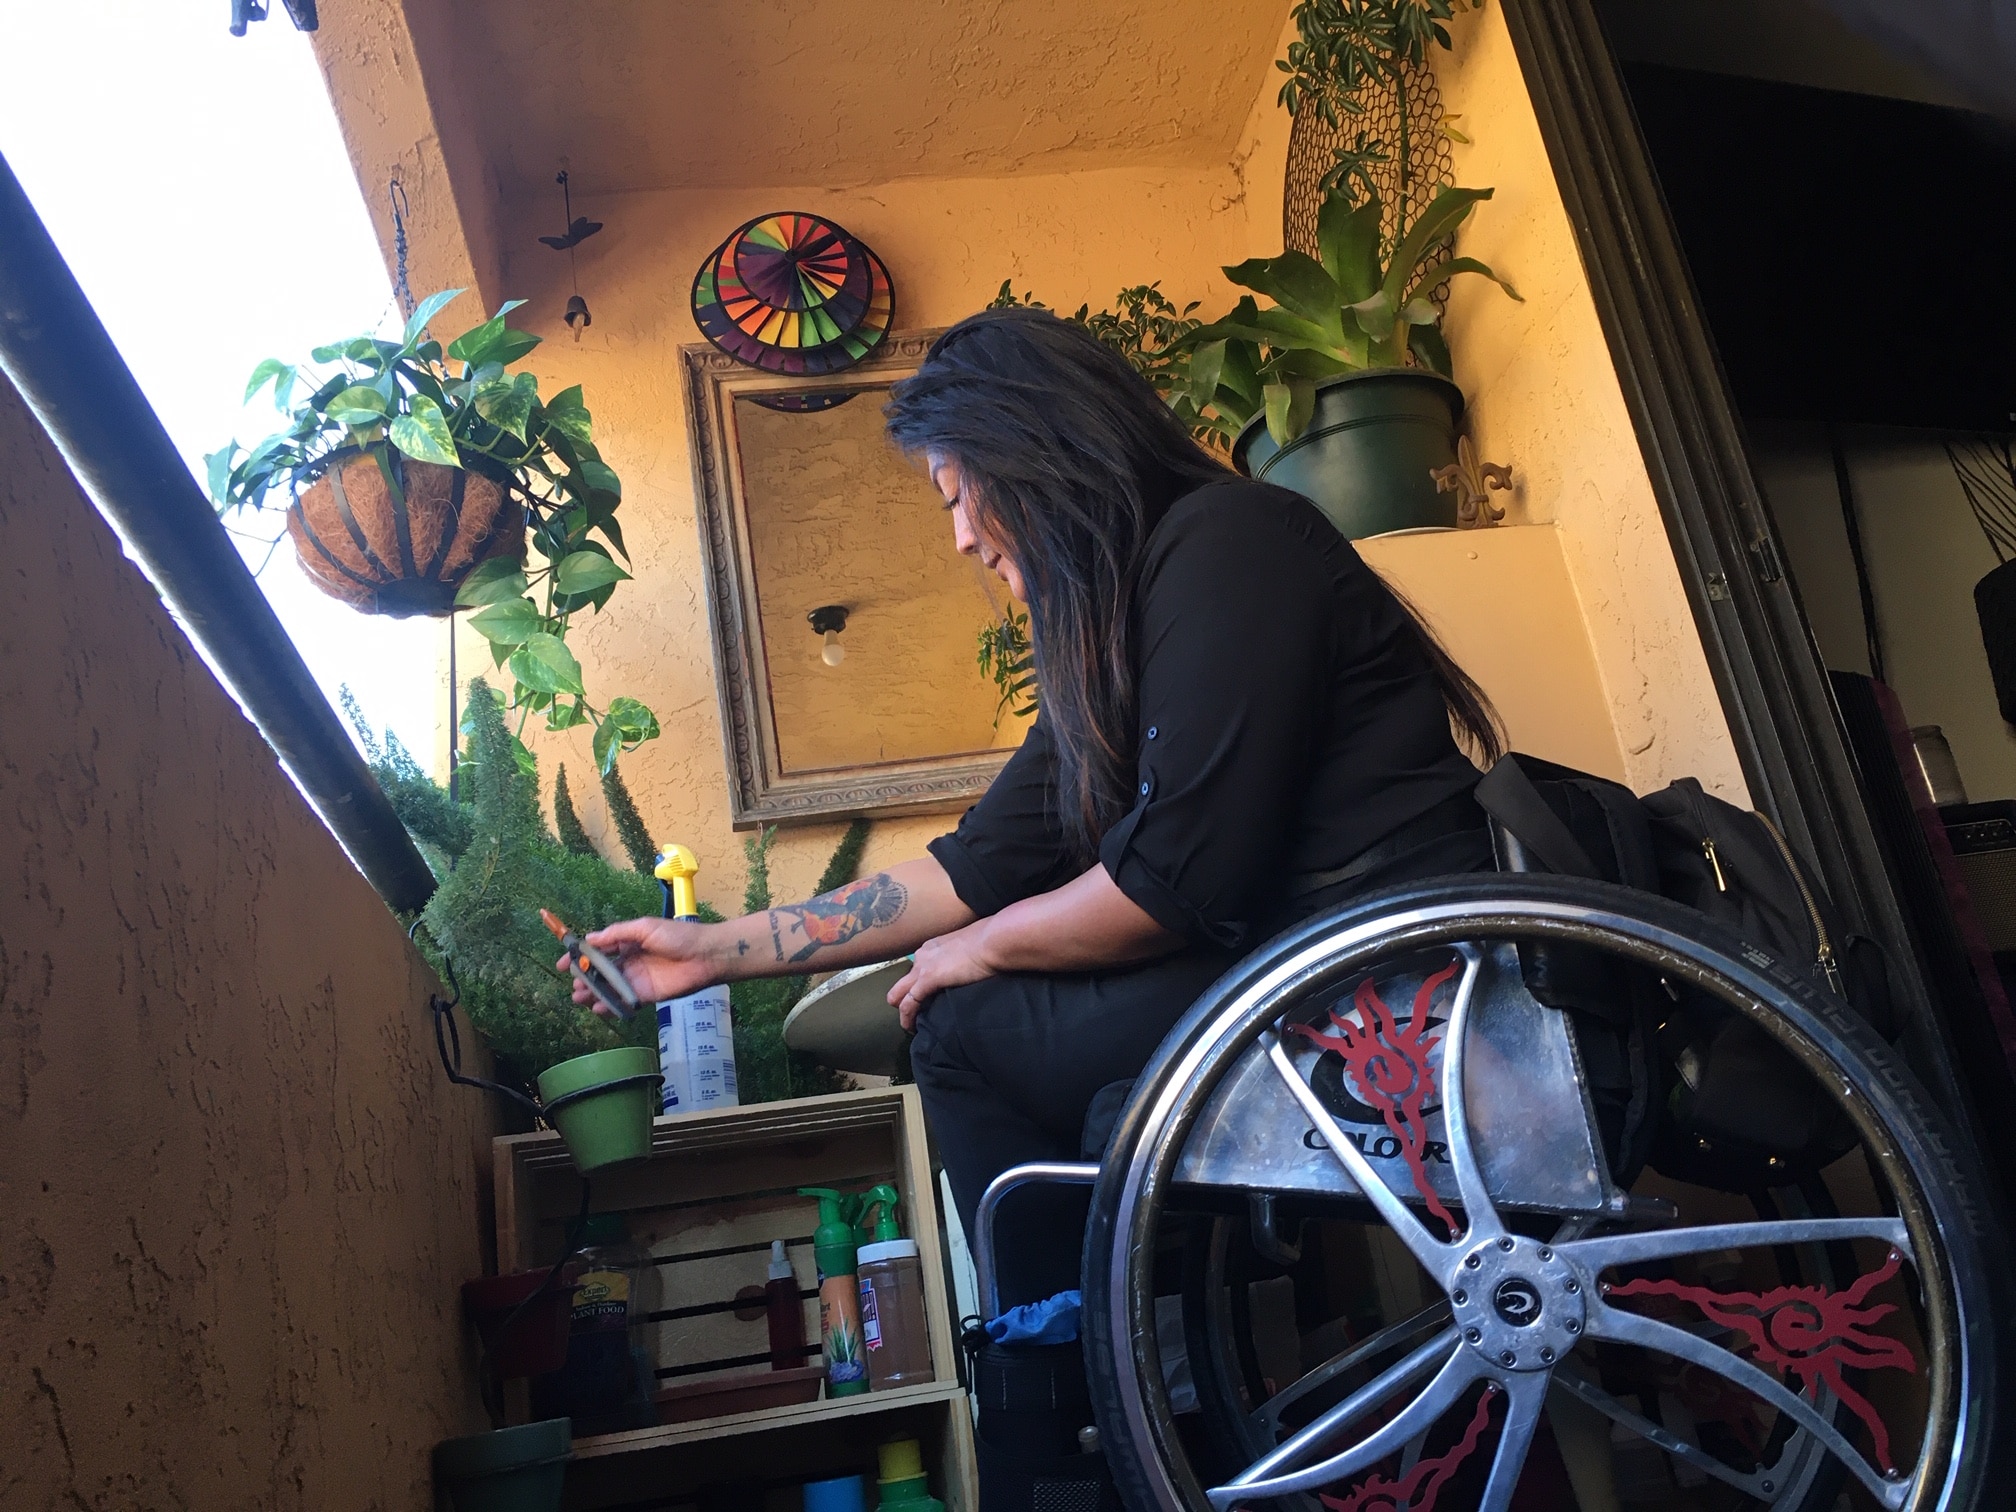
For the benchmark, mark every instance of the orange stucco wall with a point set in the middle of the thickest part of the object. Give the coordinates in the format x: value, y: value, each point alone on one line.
x: 236, y: 1194
x: 1544, y: 398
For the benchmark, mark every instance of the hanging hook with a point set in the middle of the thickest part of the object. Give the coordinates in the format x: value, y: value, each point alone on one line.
x: 402, y: 291
x: 245, y: 11
x: 579, y: 227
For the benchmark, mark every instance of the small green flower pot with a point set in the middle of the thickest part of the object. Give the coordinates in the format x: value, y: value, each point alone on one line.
x: 602, y: 1105
x: 520, y: 1469
x: 1365, y: 458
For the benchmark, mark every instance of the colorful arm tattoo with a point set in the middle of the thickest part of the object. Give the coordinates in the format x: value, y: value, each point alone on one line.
x: 840, y: 915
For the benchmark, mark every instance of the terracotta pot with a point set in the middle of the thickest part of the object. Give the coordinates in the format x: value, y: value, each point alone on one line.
x: 405, y: 551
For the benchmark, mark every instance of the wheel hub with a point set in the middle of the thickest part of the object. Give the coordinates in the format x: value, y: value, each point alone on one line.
x: 1518, y: 1303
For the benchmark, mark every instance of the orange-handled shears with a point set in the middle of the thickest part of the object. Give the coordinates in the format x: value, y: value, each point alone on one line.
x: 604, y: 977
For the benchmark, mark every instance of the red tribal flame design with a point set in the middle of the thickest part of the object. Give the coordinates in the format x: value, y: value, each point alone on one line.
x: 1808, y: 1331
x: 1417, y: 1489
x: 1389, y: 1061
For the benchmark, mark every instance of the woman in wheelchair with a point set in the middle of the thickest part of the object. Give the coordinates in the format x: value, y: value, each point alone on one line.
x: 1240, y: 725
x: 1658, y: 1284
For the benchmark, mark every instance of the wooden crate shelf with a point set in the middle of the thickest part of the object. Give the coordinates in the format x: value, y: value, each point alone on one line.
x: 718, y: 1187
x: 773, y: 1417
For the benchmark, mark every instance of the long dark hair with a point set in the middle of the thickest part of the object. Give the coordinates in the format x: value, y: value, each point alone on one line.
x: 1068, y: 460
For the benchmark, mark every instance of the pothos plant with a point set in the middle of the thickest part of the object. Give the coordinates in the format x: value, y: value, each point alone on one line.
x: 460, y: 407
x: 1352, y: 307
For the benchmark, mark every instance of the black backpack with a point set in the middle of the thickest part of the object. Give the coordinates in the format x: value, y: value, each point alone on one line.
x: 1677, y: 1079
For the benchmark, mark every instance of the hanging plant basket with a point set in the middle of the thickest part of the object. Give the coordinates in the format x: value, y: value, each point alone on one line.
x: 389, y: 535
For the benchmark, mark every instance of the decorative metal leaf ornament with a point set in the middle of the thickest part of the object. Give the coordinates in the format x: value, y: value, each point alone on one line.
x: 793, y: 293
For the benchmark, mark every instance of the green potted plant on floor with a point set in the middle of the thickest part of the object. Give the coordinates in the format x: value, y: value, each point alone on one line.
x: 414, y: 479
x: 1339, y: 387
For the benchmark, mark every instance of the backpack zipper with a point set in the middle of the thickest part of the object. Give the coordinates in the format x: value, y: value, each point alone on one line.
x: 1825, y: 953
x: 1708, y: 850
x: 1707, y: 840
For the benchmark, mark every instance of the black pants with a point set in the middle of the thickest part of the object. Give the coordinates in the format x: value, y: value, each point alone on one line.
x: 1008, y: 1067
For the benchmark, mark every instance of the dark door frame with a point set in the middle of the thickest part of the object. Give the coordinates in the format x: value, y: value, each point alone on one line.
x: 1766, y: 667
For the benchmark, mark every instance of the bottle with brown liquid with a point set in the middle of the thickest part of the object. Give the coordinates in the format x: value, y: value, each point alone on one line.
x: 785, y: 1311
x: 894, y: 1334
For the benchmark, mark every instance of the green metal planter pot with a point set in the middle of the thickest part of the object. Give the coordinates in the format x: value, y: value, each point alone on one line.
x: 520, y: 1469
x: 1366, y: 456
x: 602, y: 1105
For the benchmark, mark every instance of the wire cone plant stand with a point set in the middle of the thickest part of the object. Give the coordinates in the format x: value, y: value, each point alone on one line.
x: 1401, y: 118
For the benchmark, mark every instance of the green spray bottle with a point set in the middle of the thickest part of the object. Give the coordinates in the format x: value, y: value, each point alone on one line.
x: 839, y: 1301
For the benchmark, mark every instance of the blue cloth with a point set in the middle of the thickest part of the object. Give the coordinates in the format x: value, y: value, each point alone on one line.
x: 845, y: 1493
x: 1054, y: 1320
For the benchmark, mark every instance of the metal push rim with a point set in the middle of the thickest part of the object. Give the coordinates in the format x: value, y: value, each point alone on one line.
x: 1187, y: 1074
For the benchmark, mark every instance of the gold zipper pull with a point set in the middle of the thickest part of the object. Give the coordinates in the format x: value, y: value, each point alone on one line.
x: 1832, y: 970
x: 1708, y: 850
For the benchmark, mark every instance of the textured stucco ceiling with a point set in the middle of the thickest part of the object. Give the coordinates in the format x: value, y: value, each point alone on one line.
x: 656, y: 94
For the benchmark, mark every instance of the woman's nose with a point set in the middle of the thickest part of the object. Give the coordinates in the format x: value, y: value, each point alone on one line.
x: 963, y: 538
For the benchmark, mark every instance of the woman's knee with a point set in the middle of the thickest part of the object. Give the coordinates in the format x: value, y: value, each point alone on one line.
x: 938, y: 1054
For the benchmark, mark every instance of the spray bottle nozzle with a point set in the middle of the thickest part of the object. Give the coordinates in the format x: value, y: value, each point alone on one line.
x: 677, y: 867
x: 833, y: 1242
x: 886, y: 1199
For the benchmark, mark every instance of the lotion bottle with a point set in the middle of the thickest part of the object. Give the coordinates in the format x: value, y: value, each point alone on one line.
x: 839, y: 1303
x: 696, y: 1033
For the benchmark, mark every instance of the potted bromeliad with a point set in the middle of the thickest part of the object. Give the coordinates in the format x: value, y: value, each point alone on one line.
x: 1339, y: 386
x: 1335, y: 380
x: 415, y: 478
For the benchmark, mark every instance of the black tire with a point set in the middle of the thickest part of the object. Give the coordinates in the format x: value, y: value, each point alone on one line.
x: 1950, y: 1229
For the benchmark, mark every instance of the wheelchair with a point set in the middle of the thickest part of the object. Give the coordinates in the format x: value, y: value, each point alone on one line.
x: 1362, y: 1239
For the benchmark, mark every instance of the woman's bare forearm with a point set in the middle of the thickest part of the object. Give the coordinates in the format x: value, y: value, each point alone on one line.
x: 1085, y: 925
x: 875, y: 919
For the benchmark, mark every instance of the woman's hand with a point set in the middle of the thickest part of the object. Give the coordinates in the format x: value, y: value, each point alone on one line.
x: 951, y: 960
x: 662, y: 958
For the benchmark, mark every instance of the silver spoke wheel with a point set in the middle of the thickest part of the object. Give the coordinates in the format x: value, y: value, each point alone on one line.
x: 1476, y: 1163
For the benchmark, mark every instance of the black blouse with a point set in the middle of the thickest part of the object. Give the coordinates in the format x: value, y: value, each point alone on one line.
x: 1289, y: 720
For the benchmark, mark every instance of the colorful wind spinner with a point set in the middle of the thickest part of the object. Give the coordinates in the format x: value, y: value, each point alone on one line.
x: 792, y: 293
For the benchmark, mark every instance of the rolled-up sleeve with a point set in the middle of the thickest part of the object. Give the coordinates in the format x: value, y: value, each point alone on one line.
x: 1010, y: 845
x: 1234, y: 627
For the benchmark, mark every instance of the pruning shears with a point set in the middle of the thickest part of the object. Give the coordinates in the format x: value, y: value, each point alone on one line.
x: 604, y: 977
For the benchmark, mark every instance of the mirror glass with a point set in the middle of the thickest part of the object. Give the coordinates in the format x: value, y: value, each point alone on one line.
x: 837, y: 516
x: 804, y: 505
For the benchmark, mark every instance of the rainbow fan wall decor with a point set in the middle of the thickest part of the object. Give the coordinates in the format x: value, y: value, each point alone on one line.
x: 793, y: 293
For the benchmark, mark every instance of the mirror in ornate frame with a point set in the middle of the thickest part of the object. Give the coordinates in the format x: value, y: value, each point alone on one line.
x: 805, y: 508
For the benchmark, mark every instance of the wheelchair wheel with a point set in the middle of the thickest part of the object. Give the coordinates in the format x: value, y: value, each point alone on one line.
x: 1379, y: 1088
